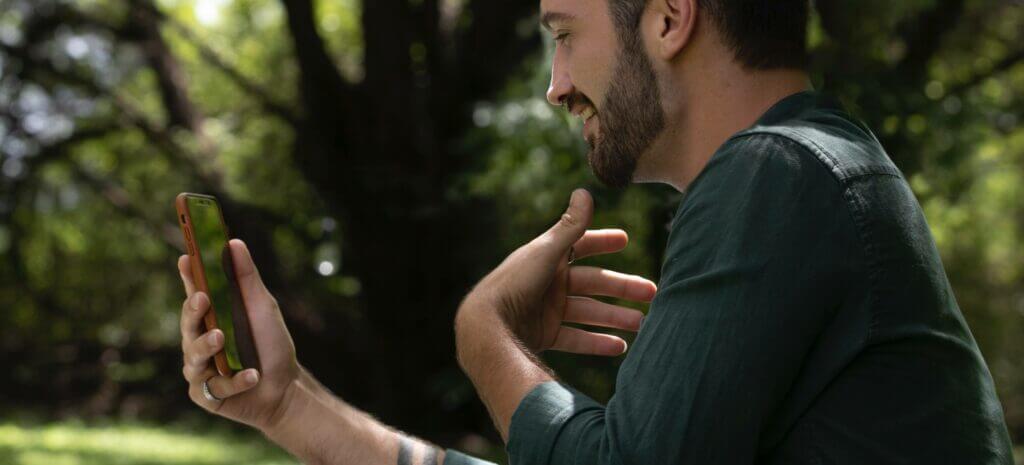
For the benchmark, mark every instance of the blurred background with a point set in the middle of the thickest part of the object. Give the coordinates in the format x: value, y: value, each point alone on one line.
x: 379, y: 157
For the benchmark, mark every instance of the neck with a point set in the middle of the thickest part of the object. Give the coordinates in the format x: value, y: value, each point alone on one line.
x: 730, y: 100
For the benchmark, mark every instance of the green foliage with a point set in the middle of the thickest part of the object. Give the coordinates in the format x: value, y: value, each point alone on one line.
x: 76, y: 443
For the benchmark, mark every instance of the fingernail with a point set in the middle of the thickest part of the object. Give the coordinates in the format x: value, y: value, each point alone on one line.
x: 251, y: 377
x: 576, y: 198
x: 215, y: 337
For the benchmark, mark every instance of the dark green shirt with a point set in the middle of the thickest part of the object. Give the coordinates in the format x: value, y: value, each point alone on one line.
x: 803, y: 317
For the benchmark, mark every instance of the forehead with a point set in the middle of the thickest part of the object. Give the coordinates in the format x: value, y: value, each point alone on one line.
x: 553, y: 12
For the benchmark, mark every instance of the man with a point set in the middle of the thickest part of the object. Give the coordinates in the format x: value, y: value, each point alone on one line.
x: 803, y: 315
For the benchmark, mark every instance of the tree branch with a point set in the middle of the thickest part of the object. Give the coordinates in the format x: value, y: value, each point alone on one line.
x: 322, y: 85
x: 332, y: 110
x: 211, y: 57
x: 1007, y: 62
x: 923, y: 36
x: 126, y: 111
x: 251, y: 221
x: 170, y: 78
x: 123, y: 201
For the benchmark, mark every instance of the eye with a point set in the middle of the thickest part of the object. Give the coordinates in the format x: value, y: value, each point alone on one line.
x: 561, y: 37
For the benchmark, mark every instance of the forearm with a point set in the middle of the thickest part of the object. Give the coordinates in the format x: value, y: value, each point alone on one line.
x: 502, y: 370
x: 319, y: 428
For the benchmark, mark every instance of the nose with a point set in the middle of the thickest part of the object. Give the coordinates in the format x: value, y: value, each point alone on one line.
x: 561, y: 84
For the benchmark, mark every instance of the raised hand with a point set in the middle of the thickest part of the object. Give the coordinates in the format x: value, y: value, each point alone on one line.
x: 535, y: 290
x: 254, y: 397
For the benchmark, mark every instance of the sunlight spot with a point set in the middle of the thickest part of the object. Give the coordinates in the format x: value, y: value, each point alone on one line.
x: 76, y: 47
x: 325, y: 268
x: 482, y: 117
x: 208, y: 12
x: 935, y: 90
x: 331, y: 22
x: 13, y: 167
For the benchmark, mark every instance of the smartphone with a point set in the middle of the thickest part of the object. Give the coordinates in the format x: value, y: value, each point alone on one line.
x: 206, y: 241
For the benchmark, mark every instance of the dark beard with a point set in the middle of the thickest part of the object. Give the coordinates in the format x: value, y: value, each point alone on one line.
x: 631, y: 119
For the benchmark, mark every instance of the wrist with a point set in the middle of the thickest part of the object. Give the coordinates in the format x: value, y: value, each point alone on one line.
x: 476, y: 322
x: 289, y: 411
x: 501, y: 368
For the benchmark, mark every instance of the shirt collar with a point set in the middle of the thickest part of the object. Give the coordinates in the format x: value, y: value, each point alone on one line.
x: 795, y: 104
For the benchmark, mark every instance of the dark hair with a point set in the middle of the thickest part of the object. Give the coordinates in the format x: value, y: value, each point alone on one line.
x: 764, y: 34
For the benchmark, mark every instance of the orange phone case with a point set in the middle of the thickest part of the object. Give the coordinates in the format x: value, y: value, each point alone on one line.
x: 198, y: 272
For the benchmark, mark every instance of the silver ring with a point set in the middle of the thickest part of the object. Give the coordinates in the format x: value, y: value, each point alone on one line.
x: 206, y: 391
x: 572, y: 254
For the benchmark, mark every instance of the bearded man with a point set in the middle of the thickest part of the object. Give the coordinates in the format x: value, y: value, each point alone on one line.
x: 803, y: 314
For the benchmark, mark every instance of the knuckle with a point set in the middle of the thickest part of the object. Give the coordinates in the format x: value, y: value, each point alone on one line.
x: 189, y: 372
x: 198, y: 302
x: 569, y: 220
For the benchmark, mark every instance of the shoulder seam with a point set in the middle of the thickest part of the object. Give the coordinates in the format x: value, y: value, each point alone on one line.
x: 823, y: 156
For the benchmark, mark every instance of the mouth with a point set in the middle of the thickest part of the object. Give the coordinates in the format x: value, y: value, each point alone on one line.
x: 583, y: 112
x: 587, y: 114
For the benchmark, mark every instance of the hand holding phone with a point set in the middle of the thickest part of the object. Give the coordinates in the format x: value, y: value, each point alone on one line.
x: 206, y: 240
x: 255, y: 394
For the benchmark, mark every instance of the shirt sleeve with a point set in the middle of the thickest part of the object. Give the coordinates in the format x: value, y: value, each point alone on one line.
x: 454, y: 457
x: 752, y: 271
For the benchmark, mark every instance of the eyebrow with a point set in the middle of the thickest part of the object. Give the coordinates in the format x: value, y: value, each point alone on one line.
x: 554, y: 17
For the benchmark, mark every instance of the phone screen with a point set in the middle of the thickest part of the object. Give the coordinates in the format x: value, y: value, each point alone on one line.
x: 212, y: 240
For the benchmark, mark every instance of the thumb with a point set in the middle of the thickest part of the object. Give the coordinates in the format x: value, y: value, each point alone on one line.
x: 249, y: 281
x: 574, y: 222
x: 269, y: 332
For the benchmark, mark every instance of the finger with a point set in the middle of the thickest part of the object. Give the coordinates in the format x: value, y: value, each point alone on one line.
x: 198, y: 353
x: 195, y: 386
x: 600, y: 241
x: 185, y: 270
x: 578, y: 341
x: 594, y: 312
x: 588, y: 280
x: 223, y: 387
x: 572, y: 225
x: 192, y: 312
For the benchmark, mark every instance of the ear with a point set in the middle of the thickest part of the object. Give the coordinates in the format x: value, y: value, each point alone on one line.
x: 674, y: 22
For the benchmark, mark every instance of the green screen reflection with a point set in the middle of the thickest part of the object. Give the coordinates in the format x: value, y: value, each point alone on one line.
x: 211, y: 238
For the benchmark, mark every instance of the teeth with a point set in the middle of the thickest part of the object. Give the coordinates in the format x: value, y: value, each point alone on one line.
x: 586, y: 114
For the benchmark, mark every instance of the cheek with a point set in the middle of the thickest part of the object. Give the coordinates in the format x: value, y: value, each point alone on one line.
x: 592, y: 73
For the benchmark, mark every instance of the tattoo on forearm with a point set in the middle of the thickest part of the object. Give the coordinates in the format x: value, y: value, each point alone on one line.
x: 430, y: 456
x: 407, y: 452
x: 404, y: 451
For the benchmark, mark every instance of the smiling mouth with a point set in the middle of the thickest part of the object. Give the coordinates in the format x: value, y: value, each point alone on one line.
x: 586, y: 114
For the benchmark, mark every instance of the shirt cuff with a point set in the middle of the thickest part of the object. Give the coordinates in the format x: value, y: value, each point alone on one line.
x: 539, y: 419
x: 454, y: 457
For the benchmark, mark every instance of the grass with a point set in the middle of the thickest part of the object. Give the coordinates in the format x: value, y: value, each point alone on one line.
x: 76, y: 443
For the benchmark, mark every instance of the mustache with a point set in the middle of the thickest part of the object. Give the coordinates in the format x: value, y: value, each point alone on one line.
x: 575, y: 99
